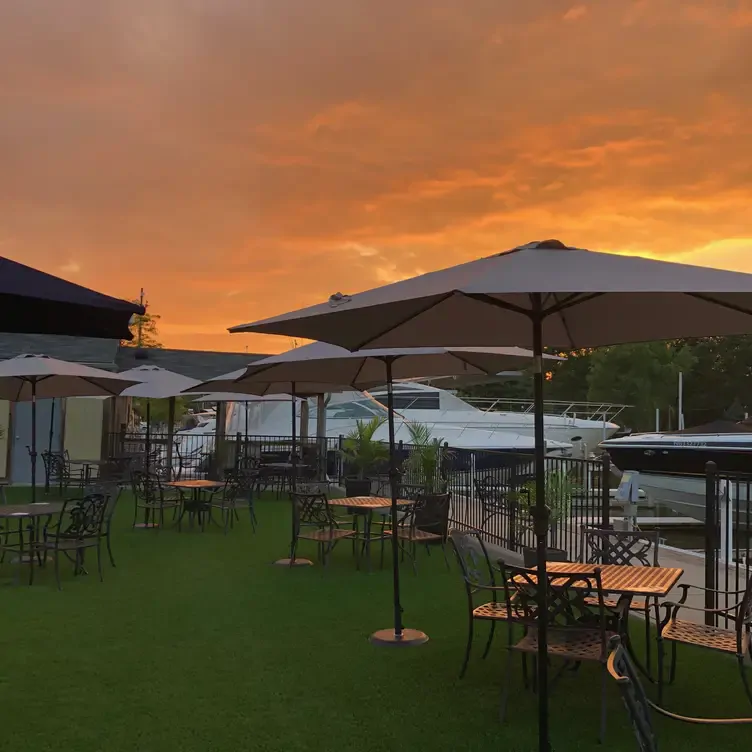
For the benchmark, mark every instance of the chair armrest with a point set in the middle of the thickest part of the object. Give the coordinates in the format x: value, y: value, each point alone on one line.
x: 686, y: 588
x: 672, y: 609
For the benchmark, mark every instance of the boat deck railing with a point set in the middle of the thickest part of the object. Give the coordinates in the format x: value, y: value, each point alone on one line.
x: 606, y: 411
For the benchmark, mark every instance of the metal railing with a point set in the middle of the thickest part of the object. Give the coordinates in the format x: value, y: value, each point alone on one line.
x: 728, y: 528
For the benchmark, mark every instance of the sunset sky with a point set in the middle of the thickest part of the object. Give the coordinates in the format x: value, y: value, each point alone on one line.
x: 239, y: 158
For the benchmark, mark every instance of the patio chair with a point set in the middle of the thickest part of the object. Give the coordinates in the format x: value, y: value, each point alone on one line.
x: 80, y: 526
x: 578, y: 631
x: 626, y: 548
x: 313, y: 521
x: 640, y: 708
x: 239, y: 487
x: 480, y: 580
x: 734, y: 641
x: 112, y: 489
x: 191, y: 463
x: 58, y: 472
x: 417, y: 526
x: 151, y: 497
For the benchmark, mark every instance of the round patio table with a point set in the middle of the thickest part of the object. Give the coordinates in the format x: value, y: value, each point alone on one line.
x: 196, y: 505
x: 31, y: 514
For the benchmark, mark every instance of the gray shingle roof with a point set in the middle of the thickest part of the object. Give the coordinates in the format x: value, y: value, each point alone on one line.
x: 197, y: 364
x: 107, y: 354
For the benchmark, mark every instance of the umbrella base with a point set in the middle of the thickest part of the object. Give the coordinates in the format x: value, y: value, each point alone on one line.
x: 408, y: 638
x: 145, y: 525
x: 293, y: 563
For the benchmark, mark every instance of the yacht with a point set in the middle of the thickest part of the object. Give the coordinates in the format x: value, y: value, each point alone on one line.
x: 439, y: 408
x: 671, y: 467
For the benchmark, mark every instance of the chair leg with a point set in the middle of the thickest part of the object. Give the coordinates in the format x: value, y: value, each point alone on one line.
x: 109, y: 547
x: 446, y: 559
x: 661, y: 661
x: 648, y: 651
x: 99, y: 560
x: 470, y: 629
x: 745, y: 678
x: 602, y: 732
x: 490, y: 640
x: 57, y: 570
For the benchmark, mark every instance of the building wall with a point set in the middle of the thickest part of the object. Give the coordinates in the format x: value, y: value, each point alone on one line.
x: 83, y: 427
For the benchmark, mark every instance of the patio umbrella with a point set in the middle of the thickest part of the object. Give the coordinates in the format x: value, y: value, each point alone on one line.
x: 32, y: 377
x: 157, y: 383
x: 541, y: 293
x: 33, y: 302
x: 321, y: 361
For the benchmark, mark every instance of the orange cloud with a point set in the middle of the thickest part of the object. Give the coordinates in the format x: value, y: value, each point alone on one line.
x: 236, y: 160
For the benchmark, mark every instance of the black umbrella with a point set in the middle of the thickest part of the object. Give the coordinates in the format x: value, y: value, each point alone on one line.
x: 33, y: 302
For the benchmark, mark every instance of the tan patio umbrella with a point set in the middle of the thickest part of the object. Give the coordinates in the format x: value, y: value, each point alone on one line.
x: 542, y: 293
x: 158, y: 383
x: 32, y: 377
x: 322, y: 362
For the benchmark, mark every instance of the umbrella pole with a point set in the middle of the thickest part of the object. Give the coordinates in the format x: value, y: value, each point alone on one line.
x: 147, y: 523
x: 293, y: 561
x: 33, y: 440
x: 397, y: 635
x: 540, y: 521
x: 170, y: 435
x: 49, y: 445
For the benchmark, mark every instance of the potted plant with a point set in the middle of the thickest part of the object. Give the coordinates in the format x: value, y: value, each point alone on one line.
x: 362, y: 453
x: 559, y: 490
x: 426, y: 466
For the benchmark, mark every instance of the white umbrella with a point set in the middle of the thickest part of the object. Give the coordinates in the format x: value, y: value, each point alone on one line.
x: 320, y: 362
x: 542, y: 293
x: 158, y: 383
x: 32, y: 377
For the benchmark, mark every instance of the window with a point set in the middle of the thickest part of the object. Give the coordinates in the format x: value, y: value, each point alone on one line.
x: 362, y: 410
x: 417, y: 401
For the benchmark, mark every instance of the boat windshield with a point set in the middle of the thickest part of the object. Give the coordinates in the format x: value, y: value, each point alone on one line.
x: 360, y: 409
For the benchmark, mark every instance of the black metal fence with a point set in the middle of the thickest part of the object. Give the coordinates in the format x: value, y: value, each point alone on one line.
x: 728, y: 527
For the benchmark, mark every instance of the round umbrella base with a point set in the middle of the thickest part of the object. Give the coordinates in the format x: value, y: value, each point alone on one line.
x: 408, y: 638
x: 293, y: 563
x: 145, y: 525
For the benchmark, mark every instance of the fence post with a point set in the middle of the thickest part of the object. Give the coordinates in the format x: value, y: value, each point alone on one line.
x: 340, y: 459
x: 238, y: 449
x: 711, y: 509
x: 605, y: 492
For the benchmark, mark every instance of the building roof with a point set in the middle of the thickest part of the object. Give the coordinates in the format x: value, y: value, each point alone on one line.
x: 109, y: 355
x: 98, y: 353
x: 196, y: 364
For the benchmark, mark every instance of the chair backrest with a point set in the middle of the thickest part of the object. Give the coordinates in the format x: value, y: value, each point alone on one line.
x: 744, y: 614
x: 574, y: 600
x: 620, y: 547
x: 412, y: 491
x: 54, y: 464
x: 633, y: 695
x: 431, y: 513
x: 311, y: 510
x: 83, y: 518
x: 239, y: 483
x: 472, y: 555
x: 146, y: 486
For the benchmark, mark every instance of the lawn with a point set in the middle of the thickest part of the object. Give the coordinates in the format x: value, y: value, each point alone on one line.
x: 195, y: 642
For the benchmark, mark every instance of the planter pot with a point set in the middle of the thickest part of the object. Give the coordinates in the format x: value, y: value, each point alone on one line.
x: 357, y: 486
x: 530, y: 556
x: 433, y: 516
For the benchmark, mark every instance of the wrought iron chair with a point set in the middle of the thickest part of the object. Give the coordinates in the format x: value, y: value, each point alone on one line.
x: 112, y: 489
x: 417, y: 525
x: 734, y: 641
x: 58, y: 472
x: 626, y: 548
x: 239, y: 487
x: 491, y: 499
x: 150, y: 496
x: 479, y: 576
x: 578, y: 631
x: 80, y: 527
x: 313, y: 521
x: 640, y: 708
x: 192, y: 463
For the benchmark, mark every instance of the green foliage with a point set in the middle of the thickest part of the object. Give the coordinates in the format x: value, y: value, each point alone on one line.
x: 145, y: 330
x: 558, y: 497
x: 569, y: 378
x: 426, y: 458
x: 361, y: 451
x: 160, y: 409
x: 643, y: 375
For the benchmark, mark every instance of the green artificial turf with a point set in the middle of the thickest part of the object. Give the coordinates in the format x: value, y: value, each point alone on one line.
x: 196, y: 642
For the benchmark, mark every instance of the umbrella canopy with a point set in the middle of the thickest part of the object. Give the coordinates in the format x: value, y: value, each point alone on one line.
x: 589, y: 299
x: 44, y: 378
x: 156, y: 383
x: 33, y: 302
x: 237, y: 397
x: 321, y: 362
x: 229, y: 383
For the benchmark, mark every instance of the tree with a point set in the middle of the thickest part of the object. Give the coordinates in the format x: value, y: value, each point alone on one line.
x: 569, y: 378
x: 159, y: 410
x: 645, y: 376
x: 145, y: 330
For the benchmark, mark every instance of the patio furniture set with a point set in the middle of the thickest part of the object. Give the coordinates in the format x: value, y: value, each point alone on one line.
x: 588, y: 614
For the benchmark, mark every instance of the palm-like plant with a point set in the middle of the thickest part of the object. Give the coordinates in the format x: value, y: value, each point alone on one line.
x: 426, y: 456
x: 360, y: 450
